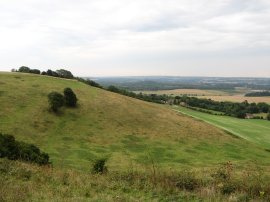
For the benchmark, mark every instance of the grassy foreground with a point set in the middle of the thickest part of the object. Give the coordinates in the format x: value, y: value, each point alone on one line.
x: 25, y: 182
x: 253, y: 130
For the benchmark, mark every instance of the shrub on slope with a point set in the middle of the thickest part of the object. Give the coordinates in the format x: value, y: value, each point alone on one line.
x: 14, y: 150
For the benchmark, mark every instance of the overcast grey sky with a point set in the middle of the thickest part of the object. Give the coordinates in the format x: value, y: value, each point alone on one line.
x: 137, y: 37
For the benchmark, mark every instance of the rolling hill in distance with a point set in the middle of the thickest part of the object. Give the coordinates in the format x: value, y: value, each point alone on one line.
x: 150, y: 83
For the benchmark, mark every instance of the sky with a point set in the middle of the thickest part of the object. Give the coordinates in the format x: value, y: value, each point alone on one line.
x: 137, y: 37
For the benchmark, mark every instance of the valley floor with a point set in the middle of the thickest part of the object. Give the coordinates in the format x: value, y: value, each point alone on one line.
x: 253, y: 130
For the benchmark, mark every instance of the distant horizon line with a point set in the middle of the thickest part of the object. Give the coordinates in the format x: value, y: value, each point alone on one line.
x: 189, y: 76
x: 247, y: 77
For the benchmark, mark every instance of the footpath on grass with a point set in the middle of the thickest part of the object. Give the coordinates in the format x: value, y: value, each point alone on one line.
x: 253, y: 130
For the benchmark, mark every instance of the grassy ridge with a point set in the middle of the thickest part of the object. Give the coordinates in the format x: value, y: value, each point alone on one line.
x: 129, y: 131
x: 253, y: 130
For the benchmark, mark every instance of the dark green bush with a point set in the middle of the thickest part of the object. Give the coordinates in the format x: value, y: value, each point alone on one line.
x: 14, y: 150
x: 70, y: 97
x: 8, y: 147
x: 56, y: 100
x: 99, y: 166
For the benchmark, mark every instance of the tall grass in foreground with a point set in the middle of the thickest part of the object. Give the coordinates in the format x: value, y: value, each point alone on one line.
x: 24, y: 182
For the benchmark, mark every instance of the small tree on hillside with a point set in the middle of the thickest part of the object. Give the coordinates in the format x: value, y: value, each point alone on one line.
x: 70, y: 97
x: 56, y: 100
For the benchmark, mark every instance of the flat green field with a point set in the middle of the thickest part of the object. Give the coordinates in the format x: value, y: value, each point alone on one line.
x: 257, y: 131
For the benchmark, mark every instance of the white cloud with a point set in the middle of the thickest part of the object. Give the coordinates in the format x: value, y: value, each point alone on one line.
x: 105, y: 37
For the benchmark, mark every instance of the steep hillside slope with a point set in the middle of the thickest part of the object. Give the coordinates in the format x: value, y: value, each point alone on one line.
x: 129, y: 131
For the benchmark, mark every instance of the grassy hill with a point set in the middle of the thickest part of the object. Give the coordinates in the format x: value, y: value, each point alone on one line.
x: 151, y: 149
x: 128, y: 131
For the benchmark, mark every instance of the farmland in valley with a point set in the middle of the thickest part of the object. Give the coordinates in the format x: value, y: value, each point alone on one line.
x: 237, y: 95
x: 256, y: 131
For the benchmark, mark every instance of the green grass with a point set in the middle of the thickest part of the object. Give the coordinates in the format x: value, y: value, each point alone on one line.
x: 253, y: 130
x: 207, y: 111
x: 25, y: 182
x: 149, y: 146
x: 128, y: 131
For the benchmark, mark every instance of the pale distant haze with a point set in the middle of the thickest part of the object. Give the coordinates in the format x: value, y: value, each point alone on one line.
x: 137, y: 37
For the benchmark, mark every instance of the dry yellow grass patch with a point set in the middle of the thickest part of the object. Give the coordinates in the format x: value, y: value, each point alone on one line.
x: 238, y: 98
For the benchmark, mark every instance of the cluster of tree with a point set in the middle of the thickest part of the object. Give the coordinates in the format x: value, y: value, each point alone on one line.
x: 258, y: 94
x: 25, y: 69
x: 89, y: 82
x: 57, y: 100
x: 15, y: 150
x: 161, y: 99
x: 228, y: 108
x: 62, y: 73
